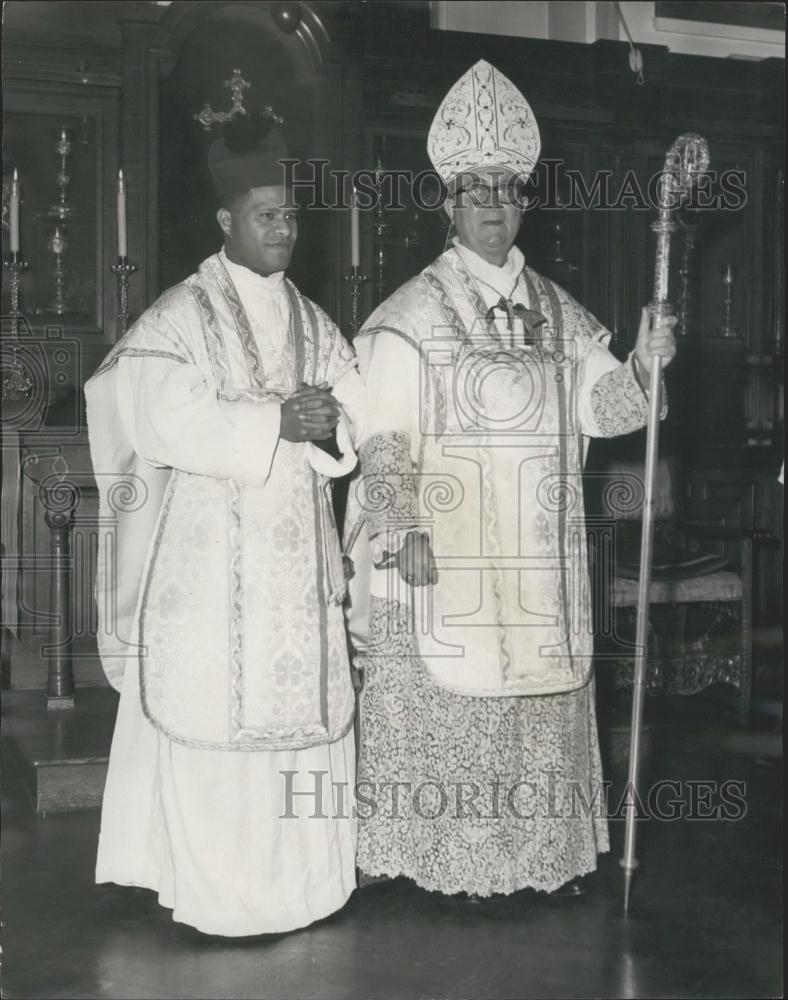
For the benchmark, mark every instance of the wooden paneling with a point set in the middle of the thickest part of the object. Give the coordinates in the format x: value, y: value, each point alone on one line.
x: 381, y: 76
x: 34, y: 114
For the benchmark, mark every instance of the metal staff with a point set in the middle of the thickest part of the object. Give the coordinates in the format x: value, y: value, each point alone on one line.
x: 686, y: 158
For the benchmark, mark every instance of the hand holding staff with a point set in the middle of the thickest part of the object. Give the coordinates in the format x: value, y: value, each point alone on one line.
x: 686, y: 158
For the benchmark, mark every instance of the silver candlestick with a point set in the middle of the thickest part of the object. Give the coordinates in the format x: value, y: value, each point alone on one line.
x: 59, y: 213
x: 122, y: 271
x: 413, y: 238
x: 355, y: 280
x: 15, y: 264
x: 728, y: 280
x: 62, y: 209
x: 16, y: 382
x: 57, y: 245
x: 380, y: 228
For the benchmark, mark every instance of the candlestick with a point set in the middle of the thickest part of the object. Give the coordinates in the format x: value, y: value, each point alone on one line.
x: 16, y: 381
x: 122, y: 239
x: 13, y: 208
x: 57, y: 245
x: 355, y: 279
x: 61, y: 210
x: 355, y: 255
x: 59, y: 213
x: 122, y: 271
x: 558, y: 232
x: 16, y: 265
x: 728, y: 280
x: 413, y: 238
x: 380, y: 228
x: 778, y: 280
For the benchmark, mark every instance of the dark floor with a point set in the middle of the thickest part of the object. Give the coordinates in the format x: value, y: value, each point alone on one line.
x: 705, y: 919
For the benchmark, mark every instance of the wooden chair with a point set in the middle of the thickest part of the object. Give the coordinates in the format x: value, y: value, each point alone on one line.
x: 700, y: 613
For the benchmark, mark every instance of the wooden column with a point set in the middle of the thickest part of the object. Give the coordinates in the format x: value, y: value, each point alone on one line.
x: 59, y: 504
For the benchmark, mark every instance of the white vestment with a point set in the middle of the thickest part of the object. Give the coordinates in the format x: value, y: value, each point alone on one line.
x: 481, y: 440
x: 228, y: 704
x: 480, y: 683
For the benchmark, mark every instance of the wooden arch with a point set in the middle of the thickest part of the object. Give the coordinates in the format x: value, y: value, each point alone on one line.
x: 306, y: 47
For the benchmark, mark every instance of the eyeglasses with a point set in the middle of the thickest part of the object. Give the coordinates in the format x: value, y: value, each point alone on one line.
x: 484, y: 196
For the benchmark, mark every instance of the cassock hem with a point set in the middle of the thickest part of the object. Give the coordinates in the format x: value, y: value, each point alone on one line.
x: 329, y: 902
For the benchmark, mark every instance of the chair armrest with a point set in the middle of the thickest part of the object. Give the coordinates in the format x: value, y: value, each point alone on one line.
x: 708, y: 529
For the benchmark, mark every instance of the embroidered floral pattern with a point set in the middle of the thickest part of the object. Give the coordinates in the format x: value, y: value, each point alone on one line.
x: 171, y: 602
x: 154, y: 334
x: 484, y: 119
x: 389, y: 486
x: 542, y: 531
x: 287, y: 536
x: 620, y: 406
x: 540, y: 753
x: 251, y: 655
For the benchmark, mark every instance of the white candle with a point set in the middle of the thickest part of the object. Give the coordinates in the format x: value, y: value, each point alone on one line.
x: 13, y: 208
x: 355, y: 257
x: 122, y: 244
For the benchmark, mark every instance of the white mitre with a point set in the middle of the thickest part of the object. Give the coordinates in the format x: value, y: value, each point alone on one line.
x: 483, y: 121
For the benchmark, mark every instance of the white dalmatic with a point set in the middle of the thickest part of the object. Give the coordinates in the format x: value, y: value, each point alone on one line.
x: 222, y: 622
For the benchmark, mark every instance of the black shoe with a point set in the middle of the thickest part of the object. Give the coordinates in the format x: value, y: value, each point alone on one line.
x: 572, y: 889
x: 363, y: 880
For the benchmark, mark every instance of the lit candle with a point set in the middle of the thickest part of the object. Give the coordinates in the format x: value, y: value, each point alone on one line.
x: 13, y: 208
x: 355, y: 257
x: 122, y: 245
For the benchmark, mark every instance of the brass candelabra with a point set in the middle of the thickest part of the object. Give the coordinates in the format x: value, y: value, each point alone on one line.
x: 728, y: 281
x: 16, y: 381
x: 123, y: 270
x: 59, y: 213
x: 355, y: 280
x: 380, y: 228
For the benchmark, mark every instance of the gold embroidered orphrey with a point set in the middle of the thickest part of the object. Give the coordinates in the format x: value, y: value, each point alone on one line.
x: 234, y: 620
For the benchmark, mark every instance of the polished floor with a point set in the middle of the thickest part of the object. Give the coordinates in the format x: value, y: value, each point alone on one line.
x: 705, y: 919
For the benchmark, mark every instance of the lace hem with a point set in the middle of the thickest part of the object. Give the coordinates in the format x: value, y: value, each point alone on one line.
x: 486, y: 888
x: 466, y: 794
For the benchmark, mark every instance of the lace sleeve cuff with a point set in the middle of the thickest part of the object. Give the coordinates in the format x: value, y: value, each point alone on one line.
x: 390, y: 501
x: 619, y: 400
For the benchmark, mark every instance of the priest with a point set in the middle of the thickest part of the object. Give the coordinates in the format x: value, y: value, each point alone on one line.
x: 479, y: 763
x: 217, y: 425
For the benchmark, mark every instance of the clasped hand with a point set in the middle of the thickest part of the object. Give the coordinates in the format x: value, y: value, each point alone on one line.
x: 310, y: 414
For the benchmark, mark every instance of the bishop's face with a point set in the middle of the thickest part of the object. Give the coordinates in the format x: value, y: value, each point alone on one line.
x: 260, y: 230
x: 487, y: 210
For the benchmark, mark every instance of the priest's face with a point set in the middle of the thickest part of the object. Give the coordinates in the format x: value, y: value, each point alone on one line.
x: 260, y: 229
x: 486, y: 208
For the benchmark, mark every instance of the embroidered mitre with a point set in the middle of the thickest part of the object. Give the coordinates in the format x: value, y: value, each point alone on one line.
x: 483, y: 121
